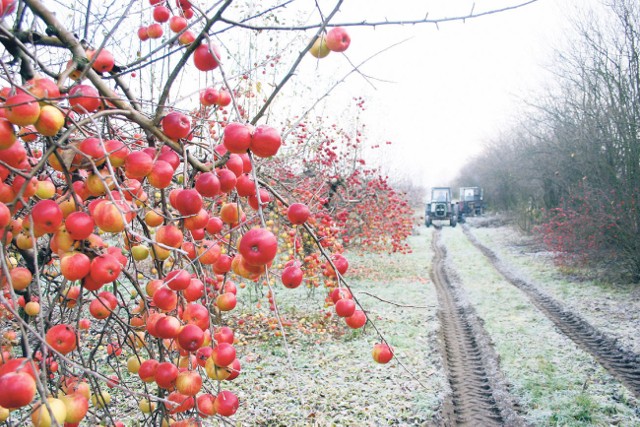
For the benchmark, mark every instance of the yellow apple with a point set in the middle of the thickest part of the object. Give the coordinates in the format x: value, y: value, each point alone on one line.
x: 140, y: 252
x: 40, y: 416
x: 101, y: 399
x: 50, y: 120
x: 319, y: 48
x: 45, y: 189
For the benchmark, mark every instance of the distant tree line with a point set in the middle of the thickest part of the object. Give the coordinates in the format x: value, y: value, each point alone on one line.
x: 570, y: 168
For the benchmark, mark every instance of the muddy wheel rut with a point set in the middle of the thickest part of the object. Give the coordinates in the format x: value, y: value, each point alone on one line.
x: 478, y: 392
x: 621, y: 363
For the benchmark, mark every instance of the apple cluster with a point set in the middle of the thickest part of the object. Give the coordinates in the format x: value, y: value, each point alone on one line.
x: 336, y: 40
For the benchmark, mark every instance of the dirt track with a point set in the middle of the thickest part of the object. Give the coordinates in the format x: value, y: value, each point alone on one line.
x: 478, y: 395
x: 621, y: 363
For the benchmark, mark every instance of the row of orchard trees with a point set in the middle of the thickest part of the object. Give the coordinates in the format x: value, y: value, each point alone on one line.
x: 572, y: 165
x: 146, y: 179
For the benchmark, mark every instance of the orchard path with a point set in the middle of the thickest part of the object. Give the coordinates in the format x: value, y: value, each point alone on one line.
x: 621, y: 363
x: 479, y: 396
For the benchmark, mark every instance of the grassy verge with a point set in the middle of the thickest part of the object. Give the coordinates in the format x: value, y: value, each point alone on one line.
x: 330, y: 377
x: 556, y: 382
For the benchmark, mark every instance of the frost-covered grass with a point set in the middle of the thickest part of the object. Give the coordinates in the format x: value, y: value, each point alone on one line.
x: 331, y: 378
x: 612, y: 307
x: 556, y: 382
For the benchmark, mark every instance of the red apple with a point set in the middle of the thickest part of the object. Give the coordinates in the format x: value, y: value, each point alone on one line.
x: 191, y: 338
x: 169, y: 156
x: 5, y: 215
x: 214, y: 225
x: 100, y: 308
x: 223, y: 354
x: 108, y: 217
x: 235, y: 163
x: 205, y: 403
x: 84, y: 99
x: 226, y: 404
x: 339, y: 293
x: 161, y: 174
x: 206, y: 57
x: 117, y: 151
x: 169, y: 235
x: 178, y: 280
x: 245, y: 186
x: 176, y: 125
x: 47, y: 216
x: 22, y: 109
x: 138, y: 164
x: 223, y: 334
x: 180, y: 402
x: 166, y: 375
x: 258, y: 246
x: 224, y: 97
x: 188, y: 202
x: 161, y: 14
x: 265, y: 198
x: 265, y: 141
x: 75, y: 266
x: 167, y: 327
x: 227, y: 180
x: 19, y: 364
x: 14, y: 156
x: 237, y: 137
x: 165, y: 299
x: 186, y: 38
x: 196, y: 314
x: 44, y: 88
x: 155, y: 31
x: 292, y: 276
x: 93, y: 149
x: 223, y: 264
x: 208, y: 184
x: 105, y: 268
x: 62, y: 338
x: 338, y: 39
x: 143, y: 33
x: 298, y: 213
x: 209, y: 96
x: 18, y: 390
x: 345, y: 307
x: 147, y: 370
x: 382, y: 353
x: 21, y: 278
x: 195, y: 291
x: 79, y: 225
x: 189, y: 383
x: 104, y: 62
x: 356, y: 320
x: 226, y: 301
x: 7, y: 134
x: 341, y: 263
x: 177, y: 23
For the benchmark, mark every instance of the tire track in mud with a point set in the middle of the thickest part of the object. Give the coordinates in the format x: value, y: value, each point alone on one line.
x: 479, y: 396
x: 619, y: 362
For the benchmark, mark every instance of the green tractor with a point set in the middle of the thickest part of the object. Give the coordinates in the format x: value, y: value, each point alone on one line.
x: 441, y: 207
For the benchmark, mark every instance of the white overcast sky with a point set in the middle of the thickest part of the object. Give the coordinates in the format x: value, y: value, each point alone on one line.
x: 450, y: 88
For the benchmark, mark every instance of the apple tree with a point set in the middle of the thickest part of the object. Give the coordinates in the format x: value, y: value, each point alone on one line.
x: 144, y: 172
